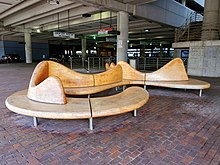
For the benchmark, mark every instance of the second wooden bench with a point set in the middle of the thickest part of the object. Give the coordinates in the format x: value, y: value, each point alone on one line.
x: 79, y: 108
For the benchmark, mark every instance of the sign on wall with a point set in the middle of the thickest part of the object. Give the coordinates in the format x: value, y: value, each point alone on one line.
x: 63, y: 35
x: 104, y: 31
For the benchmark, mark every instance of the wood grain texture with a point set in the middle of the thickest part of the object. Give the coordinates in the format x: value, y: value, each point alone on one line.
x: 76, y: 108
x: 112, y: 65
x: 188, y: 84
x: 45, y: 88
x: 130, y: 99
x: 113, y: 75
x: 107, y: 66
x: 172, y: 71
x: 95, y: 89
x: 79, y: 108
x: 129, y: 73
x: 48, y: 91
x: 68, y: 77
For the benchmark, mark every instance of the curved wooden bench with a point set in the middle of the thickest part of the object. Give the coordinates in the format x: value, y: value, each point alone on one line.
x: 51, y: 81
x: 79, y: 108
x: 123, y: 102
x: 171, y: 75
x: 131, y: 74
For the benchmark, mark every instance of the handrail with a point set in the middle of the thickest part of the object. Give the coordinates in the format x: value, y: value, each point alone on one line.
x: 142, y: 63
x: 193, y: 17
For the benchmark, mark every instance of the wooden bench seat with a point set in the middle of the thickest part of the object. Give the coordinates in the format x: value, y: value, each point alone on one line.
x: 123, y: 102
x: 79, y: 108
x: 187, y: 84
x: 76, y: 108
x: 93, y: 89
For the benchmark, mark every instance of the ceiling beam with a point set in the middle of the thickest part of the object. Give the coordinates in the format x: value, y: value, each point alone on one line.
x: 18, y: 7
x: 163, y: 11
x: 138, y: 2
x: 74, y: 13
x: 77, y: 22
x: 36, y: 11
x: 110, y: 4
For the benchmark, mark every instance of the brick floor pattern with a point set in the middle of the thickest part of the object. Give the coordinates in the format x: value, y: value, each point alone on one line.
x: 175, y: 127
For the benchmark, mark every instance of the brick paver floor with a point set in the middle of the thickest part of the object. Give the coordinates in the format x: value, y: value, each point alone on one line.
x: 174, y: 127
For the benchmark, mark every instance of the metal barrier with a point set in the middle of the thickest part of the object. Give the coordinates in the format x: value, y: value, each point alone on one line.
x: 184, y: 32
x: 151, y: 63
x: 142, y: 63
x: 75, y: 62
x: 98, y: 62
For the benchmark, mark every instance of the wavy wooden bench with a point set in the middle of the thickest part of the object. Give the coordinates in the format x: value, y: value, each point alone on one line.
x: 171, y: 75
x: 51, y: 81
x: 79, y: 108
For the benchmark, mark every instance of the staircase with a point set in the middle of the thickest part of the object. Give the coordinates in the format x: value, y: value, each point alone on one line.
x: 191, y: 30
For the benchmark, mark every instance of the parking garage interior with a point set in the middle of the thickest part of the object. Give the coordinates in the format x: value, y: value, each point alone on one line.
x: 174, y: 127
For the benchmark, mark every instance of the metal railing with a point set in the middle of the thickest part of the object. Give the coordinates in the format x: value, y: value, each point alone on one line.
x: 76, y: 62
x: 142, y: 63
x: 151, y: 63
x: 98, y: 62
x: 185, y: 28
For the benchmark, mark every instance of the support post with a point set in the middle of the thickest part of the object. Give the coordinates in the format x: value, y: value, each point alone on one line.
x: 35, y: 120
x: 28, y: 47
x: 200, y: 92
x: 124, y: 86
x: 71, y: 62
x: 122, y: 39
x: 135, y: 113
x: 88, y: 64
x: 83, y: 50
x: 90, y: 124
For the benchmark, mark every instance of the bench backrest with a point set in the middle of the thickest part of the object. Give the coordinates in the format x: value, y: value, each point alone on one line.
x: 112, y: 75
x: 129, y: 73
x: 39, y: 74
x: 68, y: 77
x: 172, y: 71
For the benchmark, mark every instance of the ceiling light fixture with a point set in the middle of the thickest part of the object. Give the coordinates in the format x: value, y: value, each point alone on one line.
x: 54, y: 2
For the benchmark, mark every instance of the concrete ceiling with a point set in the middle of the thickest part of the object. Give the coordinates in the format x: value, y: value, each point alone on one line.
x: 42, y: 17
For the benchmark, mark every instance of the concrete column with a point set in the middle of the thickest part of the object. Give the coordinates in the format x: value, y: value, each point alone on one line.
x: 83, y: 50
x: 28, y: 47
x: 122, y: 39
x: 2, y: 47
x: 210, y: 27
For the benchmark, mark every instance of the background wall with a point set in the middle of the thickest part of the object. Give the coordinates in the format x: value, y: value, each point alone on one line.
x: 15, y: 47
